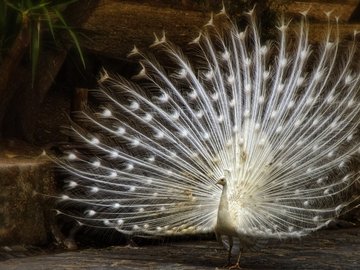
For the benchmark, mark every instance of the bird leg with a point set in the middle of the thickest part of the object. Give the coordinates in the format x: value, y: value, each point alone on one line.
x: 237, y: 265
x: 229, y: 252
x: 229, y: 256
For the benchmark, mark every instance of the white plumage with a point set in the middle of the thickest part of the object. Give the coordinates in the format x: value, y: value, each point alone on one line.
x: 251, y: 139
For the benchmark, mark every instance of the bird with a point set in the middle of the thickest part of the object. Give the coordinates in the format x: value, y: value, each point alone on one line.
x: 247, y: 138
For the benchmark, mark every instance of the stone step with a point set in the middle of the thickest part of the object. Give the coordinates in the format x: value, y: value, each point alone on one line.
x: 24, y: 216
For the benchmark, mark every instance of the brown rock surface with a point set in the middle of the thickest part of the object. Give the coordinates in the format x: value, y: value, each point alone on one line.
x: 327, y: 249
x: 24, y: 217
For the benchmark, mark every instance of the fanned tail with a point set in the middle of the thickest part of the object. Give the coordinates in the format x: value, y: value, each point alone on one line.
x: 277, y: 121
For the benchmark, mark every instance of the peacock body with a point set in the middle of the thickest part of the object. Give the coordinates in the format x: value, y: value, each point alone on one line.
x: 251, y: 139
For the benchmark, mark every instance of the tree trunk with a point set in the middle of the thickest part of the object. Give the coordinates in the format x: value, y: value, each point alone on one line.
x: 8, y: 69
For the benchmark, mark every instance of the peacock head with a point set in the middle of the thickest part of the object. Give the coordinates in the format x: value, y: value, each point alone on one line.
x: 221, y: 181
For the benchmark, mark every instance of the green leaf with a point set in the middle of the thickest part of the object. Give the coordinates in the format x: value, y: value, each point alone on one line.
x: 73, y: 36
x: 35, y: 49
x: 78, y: 48
x: 13, y: 6
x: 38, y: 6
x: 62, y: 4
x: 49, y: 21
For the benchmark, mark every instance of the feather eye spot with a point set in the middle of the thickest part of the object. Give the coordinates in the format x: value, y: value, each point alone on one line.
x: 116, y: 205
x: 225, y: 56
x: 135, y: 142
x: 129, y: 167
x: 263, y: 50
x: 199, y: 114
x: 72, y: 184
x: 114, y: 154
x: 316, y: 219
x: 106, y: 222
x: 345, y: 179
x: 90, y: 213
x: 235, y: 129
x: 348, y: 79
x: 120, y: 130
x: 318, y: 76
x: 151, y: 159
x: 283, y: 62
x: 71, y: 156
x: 291, y: 104
x: 230, y: 79
x: 303, y: 54
x: 330, y: 99
x: 206, y: 136
x: 175, y: 115
x: 338, y: 209
x: 148, y: 117
x: 261, y: 100
x: 266, y: 75
x: 96, y: 164
x: 247, y: 88
x: 309, y: 101
x: 181, y: 74
x: 94, y: 141
x: 209, y: 75
x: 134, y: 106
x: 220, y: 119
x: 300, y: 81
x: 159, y: 134
x: 241, y: 35
x: 184, y: 133
x: 163, y: 98
x: 246, y: 113
x: 315, y: 122
x: 64, y: 197
x: 193, y: 95
x: 215, y: 96
x: 106, y: 113
x: 94, y: 189
x: 120, y: 222
x: 273, y: 114
x: 247, y: 62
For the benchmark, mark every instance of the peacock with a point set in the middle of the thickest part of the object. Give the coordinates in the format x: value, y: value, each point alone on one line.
x: 248, y: 138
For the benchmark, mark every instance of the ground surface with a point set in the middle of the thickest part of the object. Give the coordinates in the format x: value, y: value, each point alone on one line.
x: 329, y: 249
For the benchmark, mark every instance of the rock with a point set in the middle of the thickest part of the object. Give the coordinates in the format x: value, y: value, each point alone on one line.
x: 24, y: 216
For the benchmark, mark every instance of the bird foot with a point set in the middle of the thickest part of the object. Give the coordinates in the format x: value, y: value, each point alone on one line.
x: 235, y: 266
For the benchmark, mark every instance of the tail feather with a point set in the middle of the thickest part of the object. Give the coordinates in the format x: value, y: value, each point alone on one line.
x: 277, y: 120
